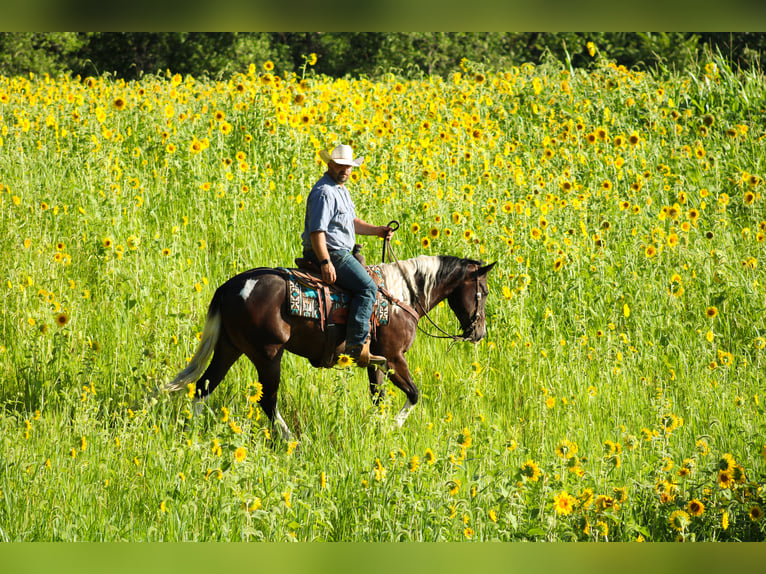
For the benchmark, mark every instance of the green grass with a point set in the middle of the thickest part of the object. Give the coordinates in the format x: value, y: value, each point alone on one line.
x: 606, y: 403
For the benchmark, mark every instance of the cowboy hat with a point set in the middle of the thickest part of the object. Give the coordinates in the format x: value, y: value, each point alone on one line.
x: 342, y: 155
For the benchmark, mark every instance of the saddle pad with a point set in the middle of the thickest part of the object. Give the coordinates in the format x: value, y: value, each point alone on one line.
x: 304, y: 302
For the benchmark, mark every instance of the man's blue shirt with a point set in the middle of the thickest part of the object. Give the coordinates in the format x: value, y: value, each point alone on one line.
x: 329, y: 208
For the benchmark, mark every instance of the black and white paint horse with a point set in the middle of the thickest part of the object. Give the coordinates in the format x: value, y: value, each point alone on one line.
x: 248, y: 315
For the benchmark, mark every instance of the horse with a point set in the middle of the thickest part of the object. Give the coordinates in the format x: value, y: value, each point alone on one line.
x: 248, y: 315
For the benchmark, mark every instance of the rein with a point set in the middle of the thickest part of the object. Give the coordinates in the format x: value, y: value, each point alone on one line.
x: 445, y: 335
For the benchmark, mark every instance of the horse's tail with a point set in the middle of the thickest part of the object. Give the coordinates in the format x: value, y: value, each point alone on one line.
x: 195, y: 368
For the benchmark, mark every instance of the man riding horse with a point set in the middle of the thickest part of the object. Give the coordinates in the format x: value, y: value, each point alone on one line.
x: 328, y: 239
x: 247, y: 313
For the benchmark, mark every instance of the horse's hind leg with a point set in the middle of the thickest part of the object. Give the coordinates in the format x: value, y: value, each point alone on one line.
x: 224, y: 356
x: 269, y: 373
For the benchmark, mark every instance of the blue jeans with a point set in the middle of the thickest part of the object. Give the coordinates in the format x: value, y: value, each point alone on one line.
x: 353, y: 277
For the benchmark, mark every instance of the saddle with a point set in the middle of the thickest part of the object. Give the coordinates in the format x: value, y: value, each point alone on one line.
x: 309, y: 296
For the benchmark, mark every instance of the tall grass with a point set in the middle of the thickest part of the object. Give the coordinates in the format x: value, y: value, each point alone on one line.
x: 616, y: 397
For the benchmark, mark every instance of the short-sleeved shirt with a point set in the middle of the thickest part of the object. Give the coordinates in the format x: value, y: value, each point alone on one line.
x: 329, y: 208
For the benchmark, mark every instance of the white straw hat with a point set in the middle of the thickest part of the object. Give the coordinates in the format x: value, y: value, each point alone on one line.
x: 342, y: 155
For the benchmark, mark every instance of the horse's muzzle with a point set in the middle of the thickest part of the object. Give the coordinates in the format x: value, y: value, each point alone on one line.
x: 474, y: 333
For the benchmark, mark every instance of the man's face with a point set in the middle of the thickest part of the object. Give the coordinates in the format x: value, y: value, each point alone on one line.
x: 340, y: 173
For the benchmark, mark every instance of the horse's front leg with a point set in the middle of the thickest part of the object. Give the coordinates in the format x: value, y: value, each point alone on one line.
x: 400, y: 376
x: 375, y: 376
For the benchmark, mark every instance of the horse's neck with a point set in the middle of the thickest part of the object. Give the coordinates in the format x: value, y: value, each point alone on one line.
x: 414, y: 281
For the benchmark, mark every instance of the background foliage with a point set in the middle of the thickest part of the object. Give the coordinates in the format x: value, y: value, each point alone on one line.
x: 130, y: 54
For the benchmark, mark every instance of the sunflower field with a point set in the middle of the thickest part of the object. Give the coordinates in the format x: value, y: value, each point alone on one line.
x: 616, y: 397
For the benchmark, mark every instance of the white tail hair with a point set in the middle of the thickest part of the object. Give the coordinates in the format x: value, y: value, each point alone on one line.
x: 196, y: 366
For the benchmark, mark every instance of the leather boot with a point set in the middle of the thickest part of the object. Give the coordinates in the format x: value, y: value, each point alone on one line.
x: 362, y: 357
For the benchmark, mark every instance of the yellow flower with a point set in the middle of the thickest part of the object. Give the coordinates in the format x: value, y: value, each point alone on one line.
x: 679, y: 520
x: 563, y: 503
x: 696, y: 508
x: 531, y: 471
x: 550, y: 402
x: 240, y: 454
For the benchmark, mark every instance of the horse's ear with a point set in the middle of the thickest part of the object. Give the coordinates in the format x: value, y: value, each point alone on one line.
x: 483, y: 270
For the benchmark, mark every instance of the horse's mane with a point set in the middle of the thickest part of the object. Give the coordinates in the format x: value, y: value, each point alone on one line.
x: 426, y: 271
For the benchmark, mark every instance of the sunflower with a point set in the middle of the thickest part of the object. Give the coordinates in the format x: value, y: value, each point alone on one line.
x: 711, y: 312
x: 257, y: 392
x: 62, y: 319
x: 755, y: 513
x: 566, y: 449
x: 695, y: 507
x: 345, y: 361
x: 531, y: 471
x: 725, y: 479
x: 563, y: 503
x: 679, y: 520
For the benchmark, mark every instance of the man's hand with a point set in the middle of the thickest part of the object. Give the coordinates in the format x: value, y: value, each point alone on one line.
x: 328, y: 273
x: 386, y: 232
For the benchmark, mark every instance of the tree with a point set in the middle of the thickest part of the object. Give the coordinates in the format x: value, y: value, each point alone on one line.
x: 24, y: 52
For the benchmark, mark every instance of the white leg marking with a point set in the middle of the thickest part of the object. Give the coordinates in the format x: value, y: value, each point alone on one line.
x: 247, y: 289
x: 404, y: 413
x: 279, y: 422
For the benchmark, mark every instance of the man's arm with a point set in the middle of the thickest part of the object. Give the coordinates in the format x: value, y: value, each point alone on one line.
x: 364, y: 228
x: 319, y: 245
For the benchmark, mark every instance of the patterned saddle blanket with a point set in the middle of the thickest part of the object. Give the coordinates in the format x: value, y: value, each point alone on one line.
x: 309, y: 297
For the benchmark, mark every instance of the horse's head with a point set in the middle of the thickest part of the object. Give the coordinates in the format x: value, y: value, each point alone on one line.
x: 468, y: 299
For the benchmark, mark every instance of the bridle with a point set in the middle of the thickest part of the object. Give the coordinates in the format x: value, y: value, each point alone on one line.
x: 445, y: 335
